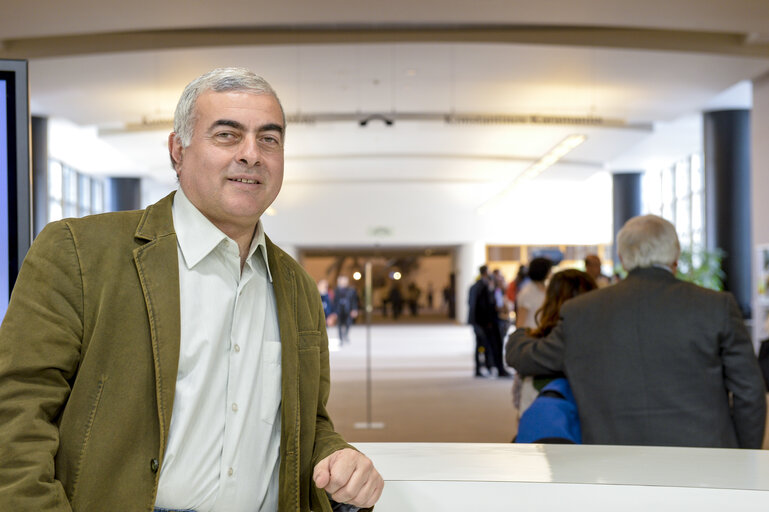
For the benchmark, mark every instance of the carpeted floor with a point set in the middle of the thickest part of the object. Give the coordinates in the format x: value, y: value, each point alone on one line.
x: 422, y: 388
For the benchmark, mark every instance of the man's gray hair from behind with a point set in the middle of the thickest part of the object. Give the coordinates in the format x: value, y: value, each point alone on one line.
x: 646, y: 241
x: 217, y: 80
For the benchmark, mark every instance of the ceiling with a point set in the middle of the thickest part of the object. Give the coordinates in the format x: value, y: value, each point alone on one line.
x: 622, y: 72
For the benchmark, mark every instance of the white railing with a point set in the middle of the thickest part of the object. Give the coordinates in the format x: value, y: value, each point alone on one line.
x: 534, y: 477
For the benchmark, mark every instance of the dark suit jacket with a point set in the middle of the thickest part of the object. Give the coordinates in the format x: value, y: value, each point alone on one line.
x: 88, y: 361
x: 482, y: 311
x: 652, y: 360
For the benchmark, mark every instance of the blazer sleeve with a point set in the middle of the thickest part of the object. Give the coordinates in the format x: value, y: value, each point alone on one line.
x: 742, y: 377
x: 40, y: 340
x: 536, y: 356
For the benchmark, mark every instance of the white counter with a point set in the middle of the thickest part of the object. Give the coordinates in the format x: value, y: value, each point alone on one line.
x: 532, y: 477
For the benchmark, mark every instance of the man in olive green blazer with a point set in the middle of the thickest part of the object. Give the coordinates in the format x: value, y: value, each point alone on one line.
x: 90, y: 345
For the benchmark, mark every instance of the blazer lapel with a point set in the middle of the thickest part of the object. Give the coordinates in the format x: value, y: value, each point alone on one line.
x: 158, y: 267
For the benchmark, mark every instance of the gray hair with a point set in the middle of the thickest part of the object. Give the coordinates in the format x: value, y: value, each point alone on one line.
x: 646, y: 241
x: 218, y: 80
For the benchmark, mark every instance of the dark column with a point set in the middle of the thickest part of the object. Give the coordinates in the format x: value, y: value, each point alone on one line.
x: 626, y: 187
x: 727, y: 197
x: 39, y: 173
x: 124, y: 194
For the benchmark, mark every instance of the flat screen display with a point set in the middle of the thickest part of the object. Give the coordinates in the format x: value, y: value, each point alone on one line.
x: 15, y: 175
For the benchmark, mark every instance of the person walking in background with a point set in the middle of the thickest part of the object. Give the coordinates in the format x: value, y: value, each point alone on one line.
x: 430, y: 296
x: 653, y: 360
x: 412, y: 297
x: 345, y: 307
x: 482, y: 315
x: 395, y: 298
x: 325, y: 299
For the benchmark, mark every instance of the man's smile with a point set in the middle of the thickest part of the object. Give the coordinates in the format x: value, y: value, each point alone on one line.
x: 244, y: 180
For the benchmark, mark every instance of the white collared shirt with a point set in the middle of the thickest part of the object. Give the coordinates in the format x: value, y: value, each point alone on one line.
x: 224, y: 438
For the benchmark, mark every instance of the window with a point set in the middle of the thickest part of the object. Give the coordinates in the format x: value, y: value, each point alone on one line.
x: 677, y: 193
x: 71, y: 193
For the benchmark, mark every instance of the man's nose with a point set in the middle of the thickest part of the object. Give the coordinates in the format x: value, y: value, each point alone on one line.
x: 248, y: 152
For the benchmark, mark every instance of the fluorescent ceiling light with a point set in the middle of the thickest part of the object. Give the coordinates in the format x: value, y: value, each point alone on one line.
x: 550, y: 158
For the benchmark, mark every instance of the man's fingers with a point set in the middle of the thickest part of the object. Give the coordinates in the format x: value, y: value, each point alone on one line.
x: 349, y: 477
x: 366, y: 495
x: 364, y: 486
x: 321, y: 475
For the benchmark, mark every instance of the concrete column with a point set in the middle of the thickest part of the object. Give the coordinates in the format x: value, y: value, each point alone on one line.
x: 124, y: 194
x: 759, y: 205
x: 727, y: 197
x: 39, y: 173
x: 468, y: 259
x: 626, y: 192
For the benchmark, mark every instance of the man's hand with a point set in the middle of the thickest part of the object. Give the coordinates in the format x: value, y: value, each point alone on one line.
x: 349, y: 477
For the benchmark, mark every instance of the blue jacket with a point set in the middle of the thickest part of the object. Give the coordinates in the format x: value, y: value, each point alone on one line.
x: 552, y: 417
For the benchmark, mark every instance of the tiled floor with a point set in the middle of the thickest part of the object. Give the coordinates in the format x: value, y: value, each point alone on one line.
x: 422, y: 387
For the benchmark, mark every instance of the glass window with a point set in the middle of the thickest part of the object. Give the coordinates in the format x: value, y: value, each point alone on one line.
x: 83, y: 195
x: 677, y: 193
x: 683, y: 217
x: 698, y: 212
x: 54, y: 210
x: 683, y: 185
x: 698, y: 173
x: 652, y: 188
x: 54, y: 180
x: 97, y: 196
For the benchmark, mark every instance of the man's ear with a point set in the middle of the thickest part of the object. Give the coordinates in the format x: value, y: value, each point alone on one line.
x: 175, y: 151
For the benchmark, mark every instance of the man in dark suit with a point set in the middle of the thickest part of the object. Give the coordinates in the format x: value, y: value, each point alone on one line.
x: 482, y: 315
x: 653, y: 360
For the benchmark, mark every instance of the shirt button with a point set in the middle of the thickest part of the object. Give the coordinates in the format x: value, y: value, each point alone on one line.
x: 235, y: 407
x: 237, y: 348
x: 154, y: 465
x: 230, y: 472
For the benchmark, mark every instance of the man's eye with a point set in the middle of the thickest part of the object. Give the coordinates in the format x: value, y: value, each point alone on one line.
x: 225, y: 136
x: 270, y: 142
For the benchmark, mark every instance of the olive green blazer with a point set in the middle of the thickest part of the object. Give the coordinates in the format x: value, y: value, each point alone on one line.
x: 88, y: 358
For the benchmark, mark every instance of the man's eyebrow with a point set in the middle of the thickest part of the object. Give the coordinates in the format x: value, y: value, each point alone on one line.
x: 228, y: 122
x: 272, y: 127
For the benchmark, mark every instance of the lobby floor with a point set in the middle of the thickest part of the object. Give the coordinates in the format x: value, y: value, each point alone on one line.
x: 422, y: 387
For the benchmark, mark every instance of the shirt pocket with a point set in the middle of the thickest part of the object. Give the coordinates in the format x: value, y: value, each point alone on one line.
x: 271, y: 381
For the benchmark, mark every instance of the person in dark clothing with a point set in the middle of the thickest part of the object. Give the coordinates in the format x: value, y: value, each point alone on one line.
x: 345, y: 307
x: 395, y: 298
x: 653, y: 360
x: 483, y: 317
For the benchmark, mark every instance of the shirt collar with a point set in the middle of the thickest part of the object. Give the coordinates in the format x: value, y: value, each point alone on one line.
x: 198, y: 236
x: 663, y: 267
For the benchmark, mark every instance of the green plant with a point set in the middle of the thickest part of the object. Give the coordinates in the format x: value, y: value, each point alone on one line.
x: 702, y: 267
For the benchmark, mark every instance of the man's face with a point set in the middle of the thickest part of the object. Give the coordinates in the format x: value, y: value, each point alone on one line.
x: 233, y: 168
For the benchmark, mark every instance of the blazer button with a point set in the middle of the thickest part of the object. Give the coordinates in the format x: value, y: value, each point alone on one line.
x: 154, y: 465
